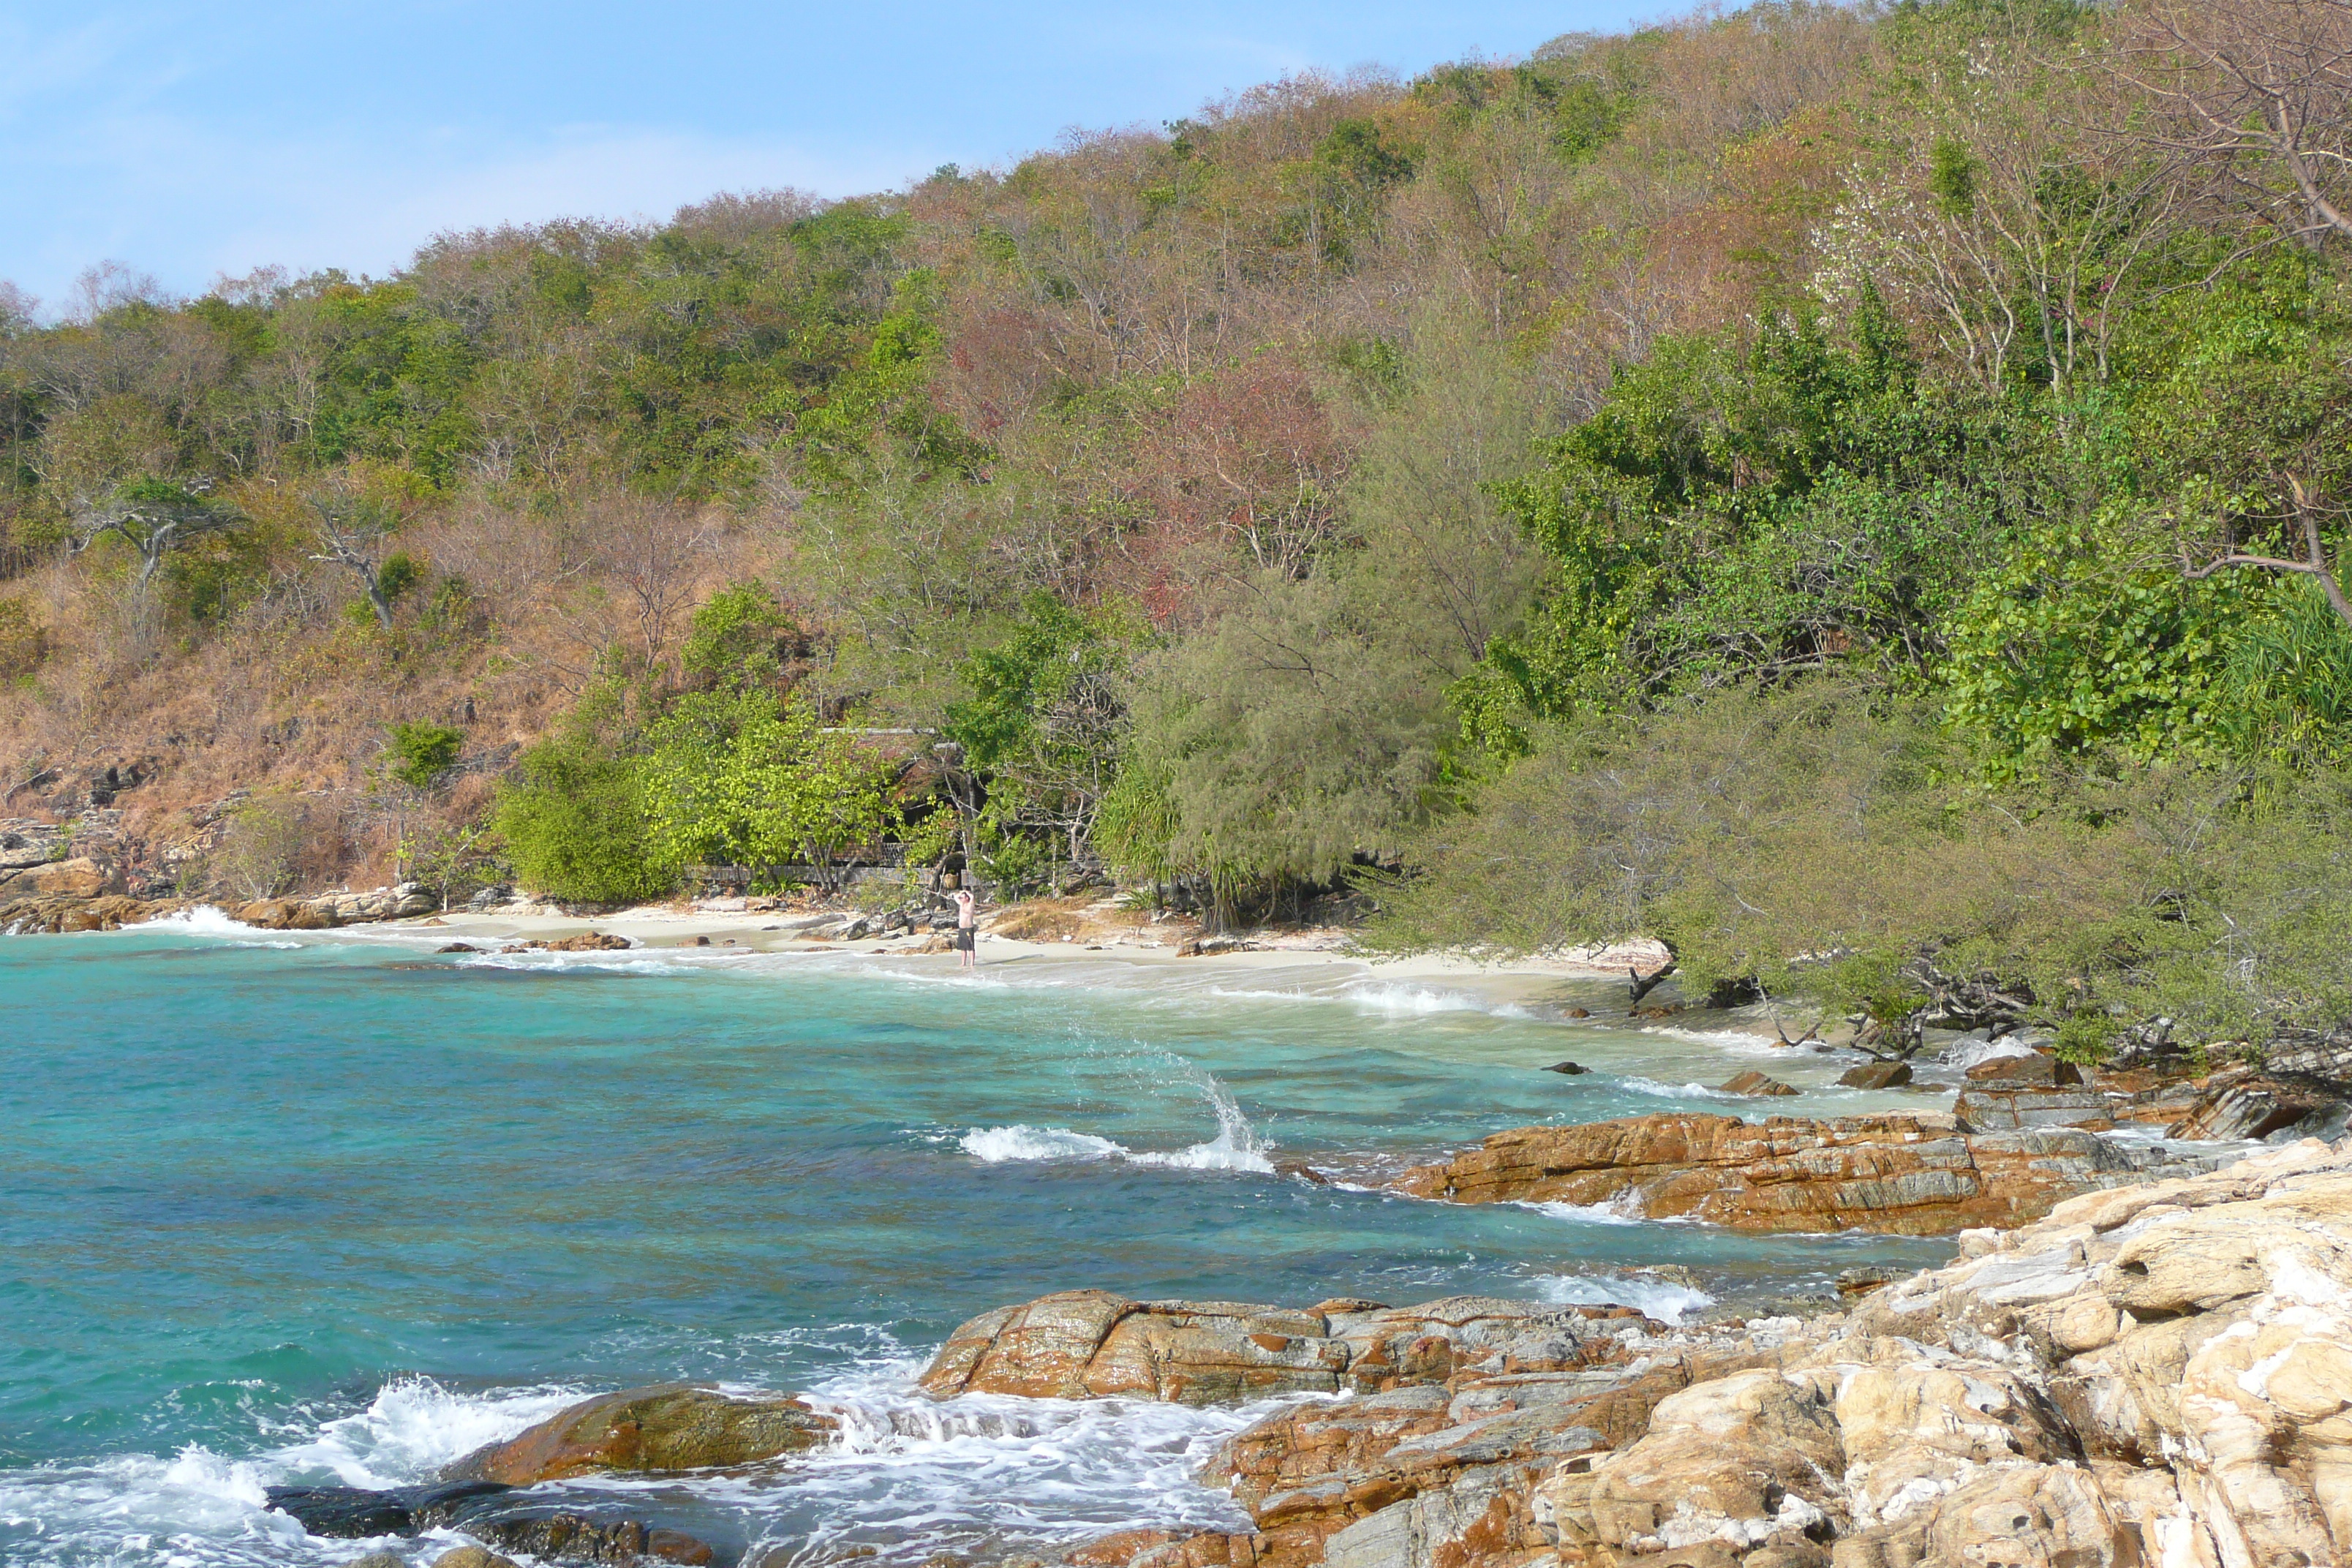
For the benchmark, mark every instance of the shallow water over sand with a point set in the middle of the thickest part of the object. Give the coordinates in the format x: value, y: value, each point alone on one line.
x: 337, y: 1208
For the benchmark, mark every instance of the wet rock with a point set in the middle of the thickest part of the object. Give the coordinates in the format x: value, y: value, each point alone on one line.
x: 587, y: 942
x: 70, y: 912
x: 1571, y: 1068
x: 2245, y: 1105
x: 354, y: 1513
x: 378, y: 1560
x: 285, y: 914
x: 569, y: 1537
x: 1999, y: 1108
x: 457, y: 947
x: 1876, y: 1075
x: 657, y: 1430
x: 1909, y: 1175
x: 1756, y: 1083
x: 464, y: 1557
x: 1118, y: 1548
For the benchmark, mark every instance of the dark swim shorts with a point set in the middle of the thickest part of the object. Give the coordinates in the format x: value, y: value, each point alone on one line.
x: 963, y: 938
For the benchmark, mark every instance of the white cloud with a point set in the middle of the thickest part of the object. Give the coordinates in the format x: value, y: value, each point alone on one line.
x: 189, y: 201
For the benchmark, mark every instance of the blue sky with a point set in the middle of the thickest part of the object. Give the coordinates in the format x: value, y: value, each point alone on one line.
x: 192, y: 142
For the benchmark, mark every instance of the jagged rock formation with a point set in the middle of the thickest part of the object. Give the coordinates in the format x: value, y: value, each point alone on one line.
x: 2157, y: 1374
x: 1091, y: 1344
x: 1907, y: 1174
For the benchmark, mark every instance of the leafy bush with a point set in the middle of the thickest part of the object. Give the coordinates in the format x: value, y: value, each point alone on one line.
x: 574, y: 821
x: 421, y: 753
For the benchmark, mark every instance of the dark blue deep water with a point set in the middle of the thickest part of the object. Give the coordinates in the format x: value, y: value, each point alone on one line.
x: 344, y: 1209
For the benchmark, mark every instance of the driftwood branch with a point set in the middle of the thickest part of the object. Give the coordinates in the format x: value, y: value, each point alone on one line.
x: 1644, y: 984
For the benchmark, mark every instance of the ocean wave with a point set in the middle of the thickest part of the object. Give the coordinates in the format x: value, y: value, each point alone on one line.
x: 1622, y: 1209
x: 1020, y: 1143
x: 200, y: 1507
x: 1655, y: 1089
x: 910, y: 1475
x: 207, y: 920
x: 1236, y: 1146
x: 413, y: 1427
x: 1663, y: 1299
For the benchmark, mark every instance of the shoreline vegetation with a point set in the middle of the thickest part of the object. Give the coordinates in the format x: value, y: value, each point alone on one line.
x: 1855, y: 497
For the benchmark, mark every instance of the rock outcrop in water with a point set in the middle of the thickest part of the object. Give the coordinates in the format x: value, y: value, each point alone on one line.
x: 2158, y: 1374
x: 1905, y: 1175
x: 1090, y: 1344
x: 668, y: 1427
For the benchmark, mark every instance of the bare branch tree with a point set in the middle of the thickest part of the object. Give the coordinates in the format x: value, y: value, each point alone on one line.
x: 155, y: 516
x: 352, y: 533
x: 2259, y: 91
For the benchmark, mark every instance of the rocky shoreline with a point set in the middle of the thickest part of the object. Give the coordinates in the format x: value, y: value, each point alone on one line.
x: 2145, y: 1373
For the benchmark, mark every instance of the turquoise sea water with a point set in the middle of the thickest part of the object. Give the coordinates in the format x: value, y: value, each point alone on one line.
x: 341, y: 1209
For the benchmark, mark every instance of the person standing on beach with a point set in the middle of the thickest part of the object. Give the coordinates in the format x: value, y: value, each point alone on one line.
x: 966, y: 935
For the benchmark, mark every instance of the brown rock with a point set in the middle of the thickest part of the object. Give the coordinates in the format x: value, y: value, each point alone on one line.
x: 1908, y: 1174
x: 1876, y: 1075
x: 286, y: 914
x: 1118, y: 1548
x: 470, y: 1557
x: 2031, y: 1068
x: 80, y: 878
x: 1569, y: 1067
x: 672, y: 1427
x: 587, y: 942
x: 1756, y: 1083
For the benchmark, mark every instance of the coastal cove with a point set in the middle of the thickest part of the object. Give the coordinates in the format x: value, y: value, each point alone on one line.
x: 328, y: 1208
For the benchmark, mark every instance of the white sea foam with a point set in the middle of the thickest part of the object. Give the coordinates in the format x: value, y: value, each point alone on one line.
x: 413, y: 1427
x: 1660, y: 1299
x: 206, y: 920
x: 1236, y: 1146
x: 911, y: 1474
x: 1622, y: 1209
x: 1652, y: 1088
x: 1021, y: 1141
x: 198, y: 1507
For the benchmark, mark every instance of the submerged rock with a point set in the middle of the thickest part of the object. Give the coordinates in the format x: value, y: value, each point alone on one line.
x: 668, y: 1427
x: 355, y: 1513
x: 1571, y: 1068
x: 1906, y: 1175
x: 1753, y: 1082
x: 569, y: 1537
x: 587, y: 942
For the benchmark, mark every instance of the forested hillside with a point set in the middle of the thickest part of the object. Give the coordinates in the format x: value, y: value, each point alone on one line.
x: 1852, y: 493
